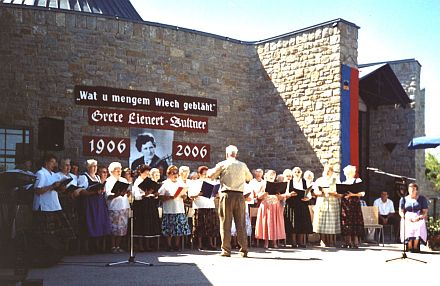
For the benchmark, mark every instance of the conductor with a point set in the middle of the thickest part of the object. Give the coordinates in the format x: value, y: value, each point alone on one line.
x: 233, y: 176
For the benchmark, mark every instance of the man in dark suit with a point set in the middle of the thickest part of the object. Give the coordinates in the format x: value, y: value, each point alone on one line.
x: 146, y: 144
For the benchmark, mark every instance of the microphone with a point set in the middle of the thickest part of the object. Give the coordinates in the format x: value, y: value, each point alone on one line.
x: 372, y: 169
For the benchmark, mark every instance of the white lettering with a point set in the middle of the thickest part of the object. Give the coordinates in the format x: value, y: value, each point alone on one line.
x: 87, y: 95
x: 135, y: 118
x: 187, y: 123
x: 107, y: 117
x: 202, y: 106
x: 133, y: 100
x: 96, y: 116
x: 162, y: 102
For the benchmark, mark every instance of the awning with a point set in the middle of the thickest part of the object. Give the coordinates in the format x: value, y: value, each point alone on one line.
x: 424, y: 142
x: 379, y: 85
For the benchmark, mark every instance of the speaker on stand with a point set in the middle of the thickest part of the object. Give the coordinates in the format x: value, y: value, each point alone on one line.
x: 50, y: 134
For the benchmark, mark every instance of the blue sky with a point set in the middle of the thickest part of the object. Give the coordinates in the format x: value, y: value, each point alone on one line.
x: 389, y: 30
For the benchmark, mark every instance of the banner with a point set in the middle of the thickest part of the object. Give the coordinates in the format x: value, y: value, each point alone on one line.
x: 128, y: 118
x: 144, y: 100
x: 151, y: 147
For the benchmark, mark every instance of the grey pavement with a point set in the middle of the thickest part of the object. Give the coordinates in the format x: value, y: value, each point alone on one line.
x: 314, y: 265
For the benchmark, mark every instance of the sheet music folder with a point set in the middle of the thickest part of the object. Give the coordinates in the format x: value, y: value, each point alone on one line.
x: 355, y: 188
x: 96, y: 187
x: 302, y: 193
x: 276, y: 188
x: 65, y: 181
x: 149, y: 185
x: 120, y: 188
x: 209, y: 191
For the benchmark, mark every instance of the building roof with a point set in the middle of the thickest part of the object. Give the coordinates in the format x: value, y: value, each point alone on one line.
x: 114, y: 8
x: 379, y: 85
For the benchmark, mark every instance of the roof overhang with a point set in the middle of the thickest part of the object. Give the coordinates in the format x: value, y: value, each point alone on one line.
x: 379, y: 85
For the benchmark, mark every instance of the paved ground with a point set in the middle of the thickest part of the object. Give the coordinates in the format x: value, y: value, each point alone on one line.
x: 315, y: 265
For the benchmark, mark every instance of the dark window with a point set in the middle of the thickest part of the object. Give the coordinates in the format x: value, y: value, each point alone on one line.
x: 14, y: 146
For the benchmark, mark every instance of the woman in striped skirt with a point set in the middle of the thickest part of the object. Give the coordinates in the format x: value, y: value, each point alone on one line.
x: 326, y: 220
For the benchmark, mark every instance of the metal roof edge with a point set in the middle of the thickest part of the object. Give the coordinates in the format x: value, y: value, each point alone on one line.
x: 389, y: 62
x: 177, y: 28
x: 335, y: 21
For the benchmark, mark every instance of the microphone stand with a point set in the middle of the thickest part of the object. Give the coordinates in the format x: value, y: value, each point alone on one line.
x: 131, y: 259
x: 403, y: 256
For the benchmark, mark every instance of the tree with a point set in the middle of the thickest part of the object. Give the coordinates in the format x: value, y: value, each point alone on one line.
x: 432, y: 171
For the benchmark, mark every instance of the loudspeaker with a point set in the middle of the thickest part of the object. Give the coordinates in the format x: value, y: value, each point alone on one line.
x: 50, y: 134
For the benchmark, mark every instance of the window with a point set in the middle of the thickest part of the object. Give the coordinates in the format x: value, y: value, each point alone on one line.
x: 14, y: 147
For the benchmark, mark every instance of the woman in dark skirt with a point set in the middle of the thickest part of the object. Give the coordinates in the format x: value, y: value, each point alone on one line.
x: 69, y: 202
x: 174, y: 220
x: 94, y: 213
x: 352, y: 221
x: 302, y: 220
x: 48, y: 214
x: 145, y: 212
x: 206, y: 223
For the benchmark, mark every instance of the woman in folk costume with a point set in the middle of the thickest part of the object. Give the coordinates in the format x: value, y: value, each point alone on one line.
x: 352, y: 221
x: 270, y: 217
x: 118, y: 206
x: 302, y: 224
x: 145, y: 209
x: 95, y: 220
x: 413, y: 210
x: 206, y: 223
x: 326, y: 220
x: 174, y: 221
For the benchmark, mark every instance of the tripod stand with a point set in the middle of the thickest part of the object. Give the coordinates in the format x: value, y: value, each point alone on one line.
x: 404, y: 256
x: 402, y: 196
x: 131, y: 259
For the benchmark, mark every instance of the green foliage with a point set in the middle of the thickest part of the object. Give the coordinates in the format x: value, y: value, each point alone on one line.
x: 433, y: 226
x: 433, y: 170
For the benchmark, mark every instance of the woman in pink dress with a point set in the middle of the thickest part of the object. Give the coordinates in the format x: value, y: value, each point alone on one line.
x: 270, y: 216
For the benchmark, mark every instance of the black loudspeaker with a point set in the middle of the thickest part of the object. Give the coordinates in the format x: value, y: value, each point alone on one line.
x: 50, y: 134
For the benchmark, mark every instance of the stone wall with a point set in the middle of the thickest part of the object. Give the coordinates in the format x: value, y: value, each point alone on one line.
x: 408, y: 72
x: 301, y: 124
x: 278, y: 100
x: 45, y: 54
x: 398, y: 125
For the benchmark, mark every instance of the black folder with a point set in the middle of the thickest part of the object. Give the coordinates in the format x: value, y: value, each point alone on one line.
x: 209, y: 190
x: 355, y: 188
x: 72, y: 188
x: 95, y: 187
x: 120, y: 188
x: 65, y: 181
x: 302, y: 193
x: 149, y: 185
x: 276, y: 188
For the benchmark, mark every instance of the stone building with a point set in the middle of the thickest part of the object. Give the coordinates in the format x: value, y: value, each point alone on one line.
x: 280, y: 100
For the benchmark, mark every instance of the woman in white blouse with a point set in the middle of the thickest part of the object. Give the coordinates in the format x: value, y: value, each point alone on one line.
x: 174, y: 221
x: 118, y: 207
